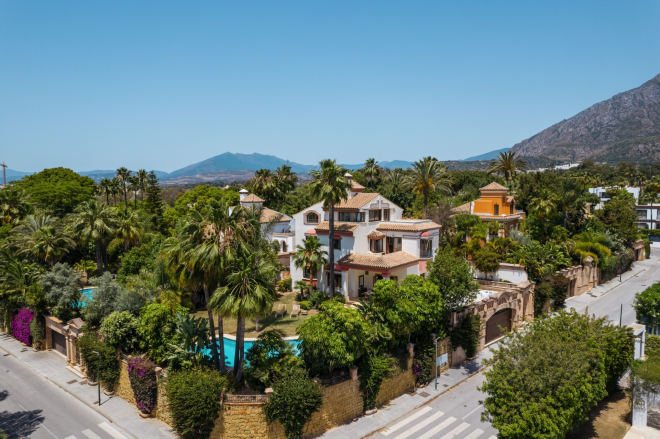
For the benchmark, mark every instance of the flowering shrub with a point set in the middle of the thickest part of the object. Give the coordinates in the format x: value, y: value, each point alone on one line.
x: 20, y: 325
x: 142, y: 374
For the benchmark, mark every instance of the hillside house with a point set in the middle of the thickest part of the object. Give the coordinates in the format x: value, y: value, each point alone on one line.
x: 372, y: 242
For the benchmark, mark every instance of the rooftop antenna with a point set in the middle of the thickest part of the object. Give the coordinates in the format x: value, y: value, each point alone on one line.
x: 4, y: 175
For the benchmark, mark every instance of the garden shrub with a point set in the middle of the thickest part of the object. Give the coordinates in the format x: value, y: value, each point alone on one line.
x: 20, y: 325
x: 305, y: 304
x: 295, y: 398
x: 157, y: 330
x: 466, y: 335
x: 543, y: 292
x: 424, y: 361
x: 194, y: 397
x: 560, y: 289
x: 647, y: 248
x: 107, y: 361
x: 284, y: 285
x: 3, y: 435
x: 340, y: 298
x: 142, y: 375
x: 652, y: 345
x: 647, y: 305
x: 268, y: 359
x: 611, y: 266
x: 373, y: 370
x: 119, y: 330
x: 38, y: 330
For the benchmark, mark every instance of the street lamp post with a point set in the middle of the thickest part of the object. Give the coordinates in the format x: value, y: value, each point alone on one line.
x: 435, y: 360
x: 98, y: 378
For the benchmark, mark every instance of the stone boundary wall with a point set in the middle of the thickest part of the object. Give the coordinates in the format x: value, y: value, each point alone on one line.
x: 125, y: 392
x: 395, y: 387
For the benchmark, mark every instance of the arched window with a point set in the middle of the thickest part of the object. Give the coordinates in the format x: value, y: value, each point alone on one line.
x: 312, y: 218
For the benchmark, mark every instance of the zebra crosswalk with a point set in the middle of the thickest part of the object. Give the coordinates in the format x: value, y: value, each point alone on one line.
x: 427, y: 423
x: 105, y: 427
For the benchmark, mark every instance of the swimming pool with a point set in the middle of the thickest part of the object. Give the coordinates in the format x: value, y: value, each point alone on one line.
x: 87, y: 296
x: 230, y: 349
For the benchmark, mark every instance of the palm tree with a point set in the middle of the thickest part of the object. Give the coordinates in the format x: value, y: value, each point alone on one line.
x: 115, y: 189
x: 142, y: 176
x: 249, y: 290
x: 123, y: 174
x: 105, y: 185
x: 264, y: 184
x: 426, y: 176
x: 311, y: 256
x: 371, y: 170
x: 17, y: 276
x: 42, y: 237
x: 395, y: 178
x: 129, y: 227
x: 14, y: 205
x: 330, y: 186
x: 94, y: 222
x: 134, y: 186
x: 544, y: 205
x: 507, y: 164
x: 200, y: 253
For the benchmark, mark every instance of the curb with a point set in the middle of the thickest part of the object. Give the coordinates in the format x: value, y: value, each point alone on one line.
x: 96, y: 409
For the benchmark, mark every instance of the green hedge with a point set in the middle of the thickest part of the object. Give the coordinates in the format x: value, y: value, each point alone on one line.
x: 647, y: 248
x: 610, y: 266
x: 107, y: 362
x: 652, y: 345
x: 654, y: 232
x: 466, y: 335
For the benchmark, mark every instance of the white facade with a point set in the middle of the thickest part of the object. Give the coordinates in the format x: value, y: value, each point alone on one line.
x: 513, y: 273
x: 372, y: 241
x: 648, y: 216
x: 602, y: 194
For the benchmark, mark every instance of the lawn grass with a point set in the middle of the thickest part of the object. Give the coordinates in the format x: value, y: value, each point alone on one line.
x: 285, y: 326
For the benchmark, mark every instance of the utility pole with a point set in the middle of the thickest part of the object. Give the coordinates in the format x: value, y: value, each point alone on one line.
x: 4, y: 175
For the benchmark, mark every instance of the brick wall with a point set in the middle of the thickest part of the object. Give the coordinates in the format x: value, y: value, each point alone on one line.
x: 124, y: 389
x: 245, y: 421
x: 395, y: 387
x: 342, y: 403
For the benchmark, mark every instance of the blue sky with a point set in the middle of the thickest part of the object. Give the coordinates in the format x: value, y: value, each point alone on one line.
x: 163, y: 84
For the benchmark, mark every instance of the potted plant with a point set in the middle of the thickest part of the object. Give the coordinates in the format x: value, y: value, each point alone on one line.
x: 142, y: 375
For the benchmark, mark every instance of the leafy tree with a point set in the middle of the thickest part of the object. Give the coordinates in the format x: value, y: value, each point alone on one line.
x: 194, y: 400
x: 269, y: 358
x: 311, y: 256
x: 294, y: 400
x: 154, y: 205
x: 541, y: 260
x: 200, y: 197
x: 647, y: 304
x: 139, y: 258
x: 103, y: 301
x: 427, y: 176
x: 543, y: 381
x: 487, y: 261
x: 62, y: 287
x: 590, y: 244
x: 619, y: 215
x: 507, y: 164
x: 119, y: 330
x: 59, y: 190
x: 193, y: 343
x: 157, y: 330
x: 455, y: 279
x: 336, y: 337
x: 466, y: 335
x: 330, y: 186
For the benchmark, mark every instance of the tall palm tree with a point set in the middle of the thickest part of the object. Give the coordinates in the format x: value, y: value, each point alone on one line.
x: 123, y: 173
x: 311, y: 256
x: 43, y: 238
x: 105, y: 185
x: 200, y: 253
x: 249, y: 290
x: 94, y: 222
x: 14, y: 205
x: 128, y: 227
x: 142, y: 176
x: 134, y: 186
x: 17, y: 276
x: 395, y: 178
x: 544, y: 204
x: 330, y: 186
x: 507, y: 164
x: 115, y: 189
x: 371, y: 170
x: 426, y: 176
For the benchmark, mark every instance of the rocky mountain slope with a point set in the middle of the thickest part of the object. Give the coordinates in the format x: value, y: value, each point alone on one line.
x: 625, y: 127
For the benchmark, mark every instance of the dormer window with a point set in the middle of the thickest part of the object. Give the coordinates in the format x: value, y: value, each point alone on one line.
x: 312, y: 218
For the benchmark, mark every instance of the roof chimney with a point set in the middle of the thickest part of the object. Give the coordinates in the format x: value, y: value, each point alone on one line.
x: 243, y: 193
x: 349, y: 191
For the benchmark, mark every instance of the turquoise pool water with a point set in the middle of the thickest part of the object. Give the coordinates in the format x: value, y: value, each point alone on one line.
x: 87, y: 296
x: 230, y: 349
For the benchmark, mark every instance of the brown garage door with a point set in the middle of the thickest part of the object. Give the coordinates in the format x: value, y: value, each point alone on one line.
x: 59, y: 343
x: 501, y: 318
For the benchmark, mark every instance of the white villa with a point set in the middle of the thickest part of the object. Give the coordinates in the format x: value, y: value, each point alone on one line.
x: 372, y: 242
x: 602, y: 194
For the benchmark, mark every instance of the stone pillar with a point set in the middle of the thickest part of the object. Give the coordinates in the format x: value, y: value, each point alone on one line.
x: 69, y: 359
x: 354, y: 373
x: 49, y: 338
x: 639, y: 408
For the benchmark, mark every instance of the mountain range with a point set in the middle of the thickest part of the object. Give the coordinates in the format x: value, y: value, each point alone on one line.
x: 625, y: 127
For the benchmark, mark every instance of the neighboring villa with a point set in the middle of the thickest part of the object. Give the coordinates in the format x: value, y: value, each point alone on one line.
x: 494, y: 205
x: 648, y: 217
x: 372, y: 242
x: 602, y: 193
x: 281, y: 225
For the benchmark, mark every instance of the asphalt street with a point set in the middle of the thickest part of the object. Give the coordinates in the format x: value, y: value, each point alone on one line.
x: 457, y: 413
x: 32, y: 406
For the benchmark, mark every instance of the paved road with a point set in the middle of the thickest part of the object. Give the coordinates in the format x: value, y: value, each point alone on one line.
x: 31, y: 406
x: 457, y: 414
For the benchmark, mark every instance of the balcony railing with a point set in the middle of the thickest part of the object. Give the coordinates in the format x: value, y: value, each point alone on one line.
x: 426, y: 254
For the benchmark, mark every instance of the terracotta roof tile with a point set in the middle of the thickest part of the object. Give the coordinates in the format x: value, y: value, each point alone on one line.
x: 462, y: 208
x: 356, y: 186
x: 376, y: 234
x: 494, y: 186
x: 340, y: 227
x: 357, y: 201
x: 252, y: 198
x: 509, y: 199
x: 399, y: 226
x: 268, y: 215
x: 383, y: 262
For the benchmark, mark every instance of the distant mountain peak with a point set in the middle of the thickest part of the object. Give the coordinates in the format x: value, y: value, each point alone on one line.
x: 625, y: 127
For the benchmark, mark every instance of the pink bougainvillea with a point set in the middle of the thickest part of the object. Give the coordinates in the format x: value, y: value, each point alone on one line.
x: 142, y: 374
x: 20, y: 325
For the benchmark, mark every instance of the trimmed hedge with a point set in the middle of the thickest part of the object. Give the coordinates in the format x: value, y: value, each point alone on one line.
x: 466, y: 335
x: 652, y: 345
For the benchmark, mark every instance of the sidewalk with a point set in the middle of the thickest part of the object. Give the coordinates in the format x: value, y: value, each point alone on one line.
x: 52, y: 366
x: 642, y: 433
x: 366, y: 425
